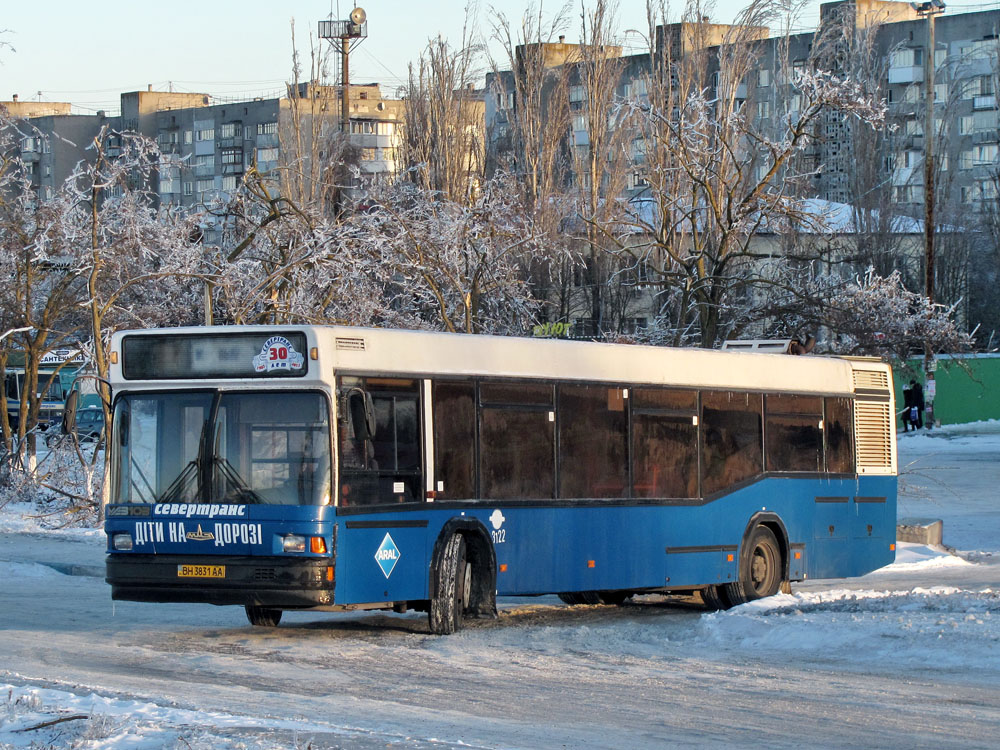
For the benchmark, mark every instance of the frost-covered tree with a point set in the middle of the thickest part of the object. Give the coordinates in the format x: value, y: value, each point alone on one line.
x: 449, y: 265
x: 443, y: 145
x: 872, y: 315
x: 718, y: 171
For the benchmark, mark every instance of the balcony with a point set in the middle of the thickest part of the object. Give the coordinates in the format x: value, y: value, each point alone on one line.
x: 984, y: 102
x: 906, y: 75
x: 232, y: 169
x: 204, y: 170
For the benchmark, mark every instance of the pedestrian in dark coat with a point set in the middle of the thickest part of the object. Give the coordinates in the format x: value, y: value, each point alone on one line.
x: 907, y: 406
x: 917, y: 395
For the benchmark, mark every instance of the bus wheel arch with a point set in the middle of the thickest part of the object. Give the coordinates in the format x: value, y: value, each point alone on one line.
x: 763, y: 561
x: 464, y: 542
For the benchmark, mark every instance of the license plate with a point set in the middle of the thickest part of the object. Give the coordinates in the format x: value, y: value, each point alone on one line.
x: 201, y: 571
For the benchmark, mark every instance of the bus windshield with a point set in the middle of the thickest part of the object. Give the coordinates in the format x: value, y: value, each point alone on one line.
x: 222, y: 447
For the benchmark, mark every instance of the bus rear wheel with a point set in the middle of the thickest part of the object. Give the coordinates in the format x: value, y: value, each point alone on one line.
x: 263, y: 616
x: 760, y: 573
x: 454, y: 583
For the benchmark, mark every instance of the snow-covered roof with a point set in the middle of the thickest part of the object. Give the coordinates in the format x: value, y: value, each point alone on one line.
x: 822, y: 217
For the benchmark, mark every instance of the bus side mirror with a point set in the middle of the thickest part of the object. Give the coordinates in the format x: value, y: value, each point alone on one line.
x: 362, y: 411
x: 69, y: 413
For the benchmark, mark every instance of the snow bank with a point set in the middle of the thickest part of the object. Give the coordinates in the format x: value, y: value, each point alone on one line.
x: 938, y: 627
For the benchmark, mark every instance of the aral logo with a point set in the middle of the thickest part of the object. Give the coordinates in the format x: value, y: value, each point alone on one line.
x: 387, y: 555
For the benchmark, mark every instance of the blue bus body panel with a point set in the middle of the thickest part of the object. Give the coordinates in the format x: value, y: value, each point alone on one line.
x: 836, y: 528
x: 544, y: 549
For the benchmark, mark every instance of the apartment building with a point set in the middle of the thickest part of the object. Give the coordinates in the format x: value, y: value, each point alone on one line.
x: 966, y: 66
x: 207, y: 146
x: 878, y: 174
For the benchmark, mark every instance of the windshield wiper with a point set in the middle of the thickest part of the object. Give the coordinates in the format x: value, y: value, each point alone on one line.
x: 236, y: 485
x: 177, y: 490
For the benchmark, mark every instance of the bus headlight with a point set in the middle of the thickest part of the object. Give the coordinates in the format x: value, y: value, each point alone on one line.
x: 293, y: 543
x: 122, y: 541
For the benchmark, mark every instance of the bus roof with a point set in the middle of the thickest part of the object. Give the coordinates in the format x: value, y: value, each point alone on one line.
x: 343, y: 349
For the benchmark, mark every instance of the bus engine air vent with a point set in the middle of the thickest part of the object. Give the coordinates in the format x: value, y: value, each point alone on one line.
x: 871, y: 380
x: 264, y: 574
x: 873, y: 436
x: 352, y: 344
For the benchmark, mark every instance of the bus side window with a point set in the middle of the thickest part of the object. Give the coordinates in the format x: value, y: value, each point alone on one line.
x: 455, y: 439
x: 517, y: 449
x: 664, y: 443
x: 837, y: 433
x: 380, y: 442
x: 593, y: 445
x: 794, y: 435
x: 732, y: 424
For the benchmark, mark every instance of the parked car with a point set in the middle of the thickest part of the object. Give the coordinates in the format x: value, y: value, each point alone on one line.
x: 89, y: 424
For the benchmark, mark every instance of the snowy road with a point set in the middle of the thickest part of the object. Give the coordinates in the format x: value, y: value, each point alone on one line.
x: 905, y: 657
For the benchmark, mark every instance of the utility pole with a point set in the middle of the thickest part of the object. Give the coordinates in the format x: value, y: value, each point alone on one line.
x: 355, y: 28
x: 929, y: 10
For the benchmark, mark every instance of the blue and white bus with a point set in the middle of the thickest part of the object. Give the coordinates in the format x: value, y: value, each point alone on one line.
x: 335, y: 468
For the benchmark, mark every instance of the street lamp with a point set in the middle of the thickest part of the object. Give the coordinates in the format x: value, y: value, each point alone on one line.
x: 929, y: 10
x: 355, y: 28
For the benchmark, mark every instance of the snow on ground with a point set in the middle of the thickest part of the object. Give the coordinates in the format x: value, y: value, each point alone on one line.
x: 25, y: 518
x: 38, y: 718
x: 932, y: 606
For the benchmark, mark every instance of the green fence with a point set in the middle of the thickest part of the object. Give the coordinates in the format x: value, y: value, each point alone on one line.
x: 968, y: 388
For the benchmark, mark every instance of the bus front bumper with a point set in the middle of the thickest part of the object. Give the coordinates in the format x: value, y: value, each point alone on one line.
x: 257, y: 581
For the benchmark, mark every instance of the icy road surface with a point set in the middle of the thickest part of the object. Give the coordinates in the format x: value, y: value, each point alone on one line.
x: 907, y: 656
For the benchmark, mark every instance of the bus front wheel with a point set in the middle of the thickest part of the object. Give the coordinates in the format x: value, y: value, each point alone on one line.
x: 263, y: 616
x: 760, y: 573
x: 452, y: 592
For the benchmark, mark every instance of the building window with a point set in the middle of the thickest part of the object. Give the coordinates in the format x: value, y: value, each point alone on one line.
x: 232, y: 156
x: 267, y: 128
x: 368, y: 154
x: 577, y: 93
x: 908, y: 57
x: 267, y: 154
x: 764, y: 78
x: 763, y: 109
x: 228, y: 130
x: 188, y: 188
x: 229, y: 183
x: 206, y: 134
x: 188, y: 137
x: 204, y: 186
x: 984, y: 154
x: 909, y: 193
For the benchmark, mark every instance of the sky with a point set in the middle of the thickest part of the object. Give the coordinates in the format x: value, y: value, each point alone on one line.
x: 88, y: 53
